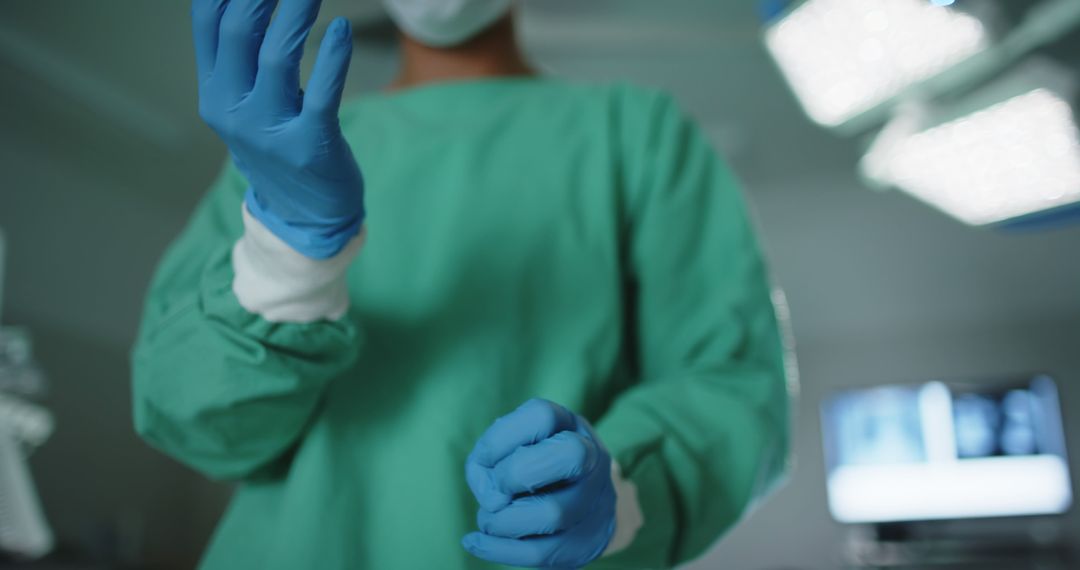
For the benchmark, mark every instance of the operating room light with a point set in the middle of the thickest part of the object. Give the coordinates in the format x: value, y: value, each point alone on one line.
x: 843, y: 57
x: 1011, y: 159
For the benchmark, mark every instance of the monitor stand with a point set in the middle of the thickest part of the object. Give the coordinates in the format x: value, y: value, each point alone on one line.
x: 1008, y: 544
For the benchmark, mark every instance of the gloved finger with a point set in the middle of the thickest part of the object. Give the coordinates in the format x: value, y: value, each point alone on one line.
x: 573, y: 548
x: 327, y: 84
x: 533, y: 421
x: 483, y: 487
x: 242, y: 29
x: 530, y: 552
x: 282, y: 50
x: 585, y: 428
x: 564, y: 457
x: 546, y: 513
x: 206, y: 27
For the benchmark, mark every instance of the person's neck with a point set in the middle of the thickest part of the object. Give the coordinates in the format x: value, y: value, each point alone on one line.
x: 493, y: 53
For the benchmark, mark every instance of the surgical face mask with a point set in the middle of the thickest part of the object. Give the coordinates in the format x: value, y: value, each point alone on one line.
x: 445, y: 23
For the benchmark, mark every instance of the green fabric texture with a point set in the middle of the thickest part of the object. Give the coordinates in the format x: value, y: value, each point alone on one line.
x: 526, y: 238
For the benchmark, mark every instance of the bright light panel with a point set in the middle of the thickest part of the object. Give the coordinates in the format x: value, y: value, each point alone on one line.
x: 978, y: 488
x: 1018, y: 157
x: 845, y: 57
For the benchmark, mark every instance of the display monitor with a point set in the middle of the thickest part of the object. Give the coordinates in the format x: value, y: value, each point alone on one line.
x: 946, y: 451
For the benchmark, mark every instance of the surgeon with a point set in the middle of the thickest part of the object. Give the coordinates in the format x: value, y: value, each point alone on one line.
x: 484, y: 318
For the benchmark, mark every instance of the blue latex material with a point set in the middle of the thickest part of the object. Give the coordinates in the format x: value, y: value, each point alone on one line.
x: 305, y: 184
x: 543, y: 481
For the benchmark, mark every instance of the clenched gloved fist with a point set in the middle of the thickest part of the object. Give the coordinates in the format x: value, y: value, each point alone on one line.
x: 305, y: 185
x: 543, y: 481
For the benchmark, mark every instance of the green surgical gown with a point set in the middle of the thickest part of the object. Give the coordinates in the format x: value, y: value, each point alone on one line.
x: 525, y: 238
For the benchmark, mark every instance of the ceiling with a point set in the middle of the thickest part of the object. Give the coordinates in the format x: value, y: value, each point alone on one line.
x: 129, y: 62
x: 105, y: 92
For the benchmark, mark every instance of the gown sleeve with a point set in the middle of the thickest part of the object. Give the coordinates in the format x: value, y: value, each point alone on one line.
x: 216, y: 386
x: 703, y: 432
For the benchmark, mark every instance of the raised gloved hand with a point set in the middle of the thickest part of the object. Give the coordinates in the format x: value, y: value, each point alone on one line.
x: 305, y: 185
x: 543, y: 481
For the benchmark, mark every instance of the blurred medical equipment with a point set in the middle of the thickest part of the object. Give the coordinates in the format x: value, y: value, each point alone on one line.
x: 1008, y: 151
x: 899, y: 455
x: 24, y: 426
x: 3, y: 260
x: 843, y: 59
x: 23, y: 529
x: 19, y: 375
x: 941, y: 452
x: 976, y: 130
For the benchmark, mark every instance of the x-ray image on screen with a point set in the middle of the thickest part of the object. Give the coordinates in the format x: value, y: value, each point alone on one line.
x: 943, y: 451
x: 878, y: 427
x: 1012, y: 423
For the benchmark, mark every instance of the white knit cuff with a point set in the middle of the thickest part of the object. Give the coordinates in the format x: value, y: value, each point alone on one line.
x: 281, y: 285
x: 628, y: 516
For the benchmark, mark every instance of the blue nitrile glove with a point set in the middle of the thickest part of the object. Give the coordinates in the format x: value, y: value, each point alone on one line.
x: 543, y: 481
x: 305, y: 185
